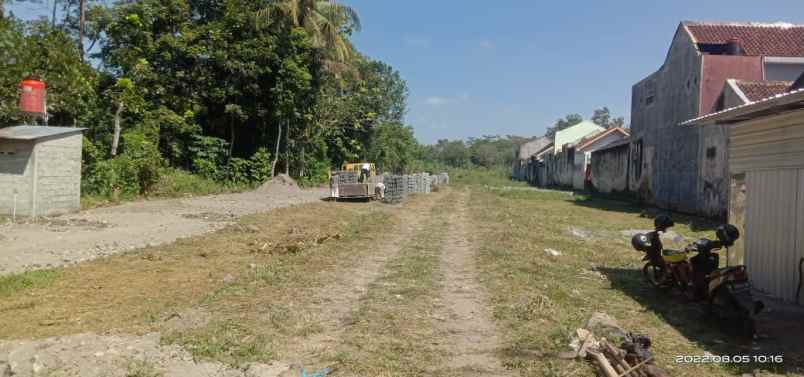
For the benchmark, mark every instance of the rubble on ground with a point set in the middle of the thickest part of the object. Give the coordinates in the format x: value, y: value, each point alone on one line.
x: 614, y: 351
x: 552, y: 252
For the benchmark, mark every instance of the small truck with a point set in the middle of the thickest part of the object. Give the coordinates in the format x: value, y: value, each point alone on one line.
x: 354, y: 182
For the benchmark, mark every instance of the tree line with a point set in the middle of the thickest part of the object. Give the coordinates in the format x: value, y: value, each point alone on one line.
x: 494, y: 151
x: 234, y: 91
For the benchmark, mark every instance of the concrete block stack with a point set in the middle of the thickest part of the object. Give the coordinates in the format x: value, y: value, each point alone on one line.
x: 395, y: 188
x: 410, y: 184
x: 442, y: 179
x: 347, y: 177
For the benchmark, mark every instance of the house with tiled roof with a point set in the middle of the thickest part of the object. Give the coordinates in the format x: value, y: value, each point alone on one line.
x: 582, y: 177
x: 709, y: 66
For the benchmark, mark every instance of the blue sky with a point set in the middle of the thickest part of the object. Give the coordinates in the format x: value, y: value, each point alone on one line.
x: 513, y: 66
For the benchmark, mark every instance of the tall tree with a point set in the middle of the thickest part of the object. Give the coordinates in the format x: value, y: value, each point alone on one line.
x: 564, y: 123
x: 602, y: 117
x: 82, y: 5
x: 327, y: 22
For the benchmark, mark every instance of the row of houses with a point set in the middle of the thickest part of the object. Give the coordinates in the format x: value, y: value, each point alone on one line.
x: 717, y: 131
x: 565, y: 159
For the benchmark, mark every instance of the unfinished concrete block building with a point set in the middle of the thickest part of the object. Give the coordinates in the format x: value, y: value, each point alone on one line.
x: 40, y: 170
x: 686, y: 169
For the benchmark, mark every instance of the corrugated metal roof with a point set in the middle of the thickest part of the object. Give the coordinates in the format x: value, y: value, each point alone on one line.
x: 615, y: 144
x: 35, y: 132
x: 589, y: 141
x: 748, y: 110
x: 577, y: 132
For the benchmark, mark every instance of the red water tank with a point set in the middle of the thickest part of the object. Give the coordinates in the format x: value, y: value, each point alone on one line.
x: 32, y: 95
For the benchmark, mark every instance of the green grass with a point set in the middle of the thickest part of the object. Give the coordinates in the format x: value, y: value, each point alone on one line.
x: 496, y: 177
x: 142, y: 368
x: 172, y: 184
x: 538, y: 300
x: 12, y: 284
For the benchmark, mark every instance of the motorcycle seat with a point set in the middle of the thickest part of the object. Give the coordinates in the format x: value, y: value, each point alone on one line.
x: 673, y: 256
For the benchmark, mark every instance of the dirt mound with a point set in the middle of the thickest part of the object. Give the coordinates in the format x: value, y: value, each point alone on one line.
x: 118, y: 356
x: 281, y: 183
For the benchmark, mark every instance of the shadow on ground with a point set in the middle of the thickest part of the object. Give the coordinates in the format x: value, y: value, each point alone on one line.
x: 780, y: 330
x: 623, y: 205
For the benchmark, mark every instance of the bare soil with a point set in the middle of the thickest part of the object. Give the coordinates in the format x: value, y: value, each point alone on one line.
x: 91, y: 355
x: 472, y: 342
x: 335, y: 303
x: 75, y: 238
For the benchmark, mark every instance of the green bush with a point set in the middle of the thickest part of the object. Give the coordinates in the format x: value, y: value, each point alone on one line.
x: 208, y: 156
x: 136, y: 171
x: 176, y: 182
x: 260, y: 166
x: 317, y: 173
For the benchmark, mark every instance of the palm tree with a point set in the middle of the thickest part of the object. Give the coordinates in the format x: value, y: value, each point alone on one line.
x: 326, y: 22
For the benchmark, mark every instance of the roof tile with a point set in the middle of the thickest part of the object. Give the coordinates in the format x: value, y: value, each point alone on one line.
x: 757, y: 90
x: 757, y: 39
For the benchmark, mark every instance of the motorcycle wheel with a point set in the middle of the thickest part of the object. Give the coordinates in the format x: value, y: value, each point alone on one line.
x: 654, y: 275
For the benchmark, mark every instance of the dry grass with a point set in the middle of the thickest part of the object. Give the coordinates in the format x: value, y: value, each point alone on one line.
x: 538, y: 299
x: 392, y: 332
x: 135, y: 292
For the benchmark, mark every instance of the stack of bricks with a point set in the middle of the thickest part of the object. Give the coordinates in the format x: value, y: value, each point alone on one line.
x: 395, y: 188
x: 410, y: 184
x: 346, y: 177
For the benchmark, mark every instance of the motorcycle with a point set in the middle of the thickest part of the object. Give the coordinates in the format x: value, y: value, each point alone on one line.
x: 696, y: 272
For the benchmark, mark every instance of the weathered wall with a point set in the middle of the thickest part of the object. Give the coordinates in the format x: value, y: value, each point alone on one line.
x: 719, y: 68
x: 579, y: 171
x: 610, y: 169
x: 59, y: 175
x: 559, y: 168
x: 666, y: 168
x: 16, y: 174
x: 671, y: 169
x: 730, y: 98
x: 713, y: 184
x: 766, y: 163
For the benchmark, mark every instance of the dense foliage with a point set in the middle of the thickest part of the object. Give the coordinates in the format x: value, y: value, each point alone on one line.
x: 498, y: 151
x: 234, y: 91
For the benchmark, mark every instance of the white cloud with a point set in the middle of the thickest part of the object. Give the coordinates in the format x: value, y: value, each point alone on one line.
x: 417, y: 41
x: 437, y: 101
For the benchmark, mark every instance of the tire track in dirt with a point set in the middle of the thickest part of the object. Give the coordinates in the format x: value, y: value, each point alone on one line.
x: 335, y: 303
x: 471, y: 341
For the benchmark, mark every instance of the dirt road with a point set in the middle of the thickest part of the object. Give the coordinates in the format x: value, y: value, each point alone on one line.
x: 100, y: 232
x: 454, y: 283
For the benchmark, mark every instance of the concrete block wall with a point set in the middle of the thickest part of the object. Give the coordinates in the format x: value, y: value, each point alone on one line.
x: 59, y: 175
x: 45, y: 174
x: 399, y: 186
x: 16, y: 177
